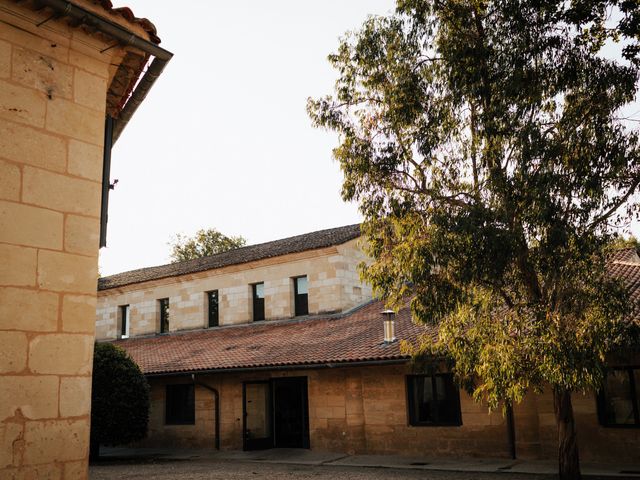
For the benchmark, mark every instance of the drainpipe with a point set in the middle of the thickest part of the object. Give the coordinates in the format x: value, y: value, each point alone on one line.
x: 65, y: 8
x: 216, y: 402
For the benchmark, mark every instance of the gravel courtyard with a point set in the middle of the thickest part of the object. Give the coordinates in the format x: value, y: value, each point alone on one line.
x: 208, y: 469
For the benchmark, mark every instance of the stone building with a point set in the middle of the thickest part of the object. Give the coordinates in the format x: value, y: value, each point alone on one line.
x: 280, y: 345
x: 67, y: 76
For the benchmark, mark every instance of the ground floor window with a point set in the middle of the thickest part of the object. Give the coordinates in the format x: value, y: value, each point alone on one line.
x: 619, y: 400
x: 433, y: 400
x: 180, y: 405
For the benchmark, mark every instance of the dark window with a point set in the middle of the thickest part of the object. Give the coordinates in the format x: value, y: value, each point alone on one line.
x: 258, y: 301
x: 181, y: 405
x: 301, y: 295
x: 433, y: 400
x: 124, y: 321
x: 619, y: 401
x: 213, y: 308
x: 164, y: 315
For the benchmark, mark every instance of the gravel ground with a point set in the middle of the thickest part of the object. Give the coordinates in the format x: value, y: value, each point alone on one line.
x: 231, y: 470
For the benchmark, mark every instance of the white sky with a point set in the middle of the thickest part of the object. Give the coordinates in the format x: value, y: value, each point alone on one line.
x: 223, y: 139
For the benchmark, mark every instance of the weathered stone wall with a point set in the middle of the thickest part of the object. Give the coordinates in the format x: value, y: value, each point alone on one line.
x: 352, y: 409
x: 53, y: 84
x: 363, y: 410
x: 334, y: 286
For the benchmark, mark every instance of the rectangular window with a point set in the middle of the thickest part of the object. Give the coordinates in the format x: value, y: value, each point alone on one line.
x: 124, y: 321
x: 433, y: 400
x: 258, y: 301
x: 180, y: 406
x: 212, y: 297
x: 301, y: 295
x: 164, y: 315
x: 619, y: 402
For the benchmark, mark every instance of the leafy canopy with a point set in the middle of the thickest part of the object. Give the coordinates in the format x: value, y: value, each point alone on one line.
x: 484, y: 144
x: 202, y: 244
x: 119, y: 398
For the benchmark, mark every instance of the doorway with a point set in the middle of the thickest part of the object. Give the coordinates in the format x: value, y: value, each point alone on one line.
x: 276, y: 413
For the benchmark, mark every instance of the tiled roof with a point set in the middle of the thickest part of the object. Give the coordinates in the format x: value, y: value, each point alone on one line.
x: 127, y: 14
x: 337, y: 339
x: 300, y: 243
x: 624, y: 255
x: 354, y: 337
x: 629, y: 272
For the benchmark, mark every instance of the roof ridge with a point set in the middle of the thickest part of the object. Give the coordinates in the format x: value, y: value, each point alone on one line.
x: 323, y: 238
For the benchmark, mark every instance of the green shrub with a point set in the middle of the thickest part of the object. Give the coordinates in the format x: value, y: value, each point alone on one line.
x: 119, y: 399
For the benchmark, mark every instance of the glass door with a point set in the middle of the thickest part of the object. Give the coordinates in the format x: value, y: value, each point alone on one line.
x: 258, y: 429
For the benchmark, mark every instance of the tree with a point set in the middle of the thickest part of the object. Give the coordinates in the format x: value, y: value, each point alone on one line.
x: 482, y: 141
x: 202, y: 244
x: 119, y: 399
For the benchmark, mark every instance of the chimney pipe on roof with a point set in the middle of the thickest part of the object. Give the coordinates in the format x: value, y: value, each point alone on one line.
x: 389, y: 326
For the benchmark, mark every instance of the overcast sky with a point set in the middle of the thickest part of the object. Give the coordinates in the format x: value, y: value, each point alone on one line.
x: 223, y: 139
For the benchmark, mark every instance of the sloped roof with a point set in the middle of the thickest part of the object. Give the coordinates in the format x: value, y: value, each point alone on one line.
x: 276, y: 248
x: 629, y: 271
x: 354, y: 337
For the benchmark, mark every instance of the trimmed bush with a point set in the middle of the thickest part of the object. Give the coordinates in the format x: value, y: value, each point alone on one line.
x: 119, y: 399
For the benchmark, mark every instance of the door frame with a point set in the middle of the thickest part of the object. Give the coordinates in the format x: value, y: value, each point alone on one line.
x: 262, y: 443
x: 271, y: 442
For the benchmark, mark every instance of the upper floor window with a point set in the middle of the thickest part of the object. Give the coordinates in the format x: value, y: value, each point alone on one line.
x: 213, y: 308
x: 433, y: 400
x: 258, y: 301
x: 301, y: 295
x: 124, y: 321
x: 619, y: 399
x: 164, y: 315
x: 180, y: 408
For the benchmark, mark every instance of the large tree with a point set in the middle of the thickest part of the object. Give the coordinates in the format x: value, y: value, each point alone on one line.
x: 484, y: 144
x: 202, y: 244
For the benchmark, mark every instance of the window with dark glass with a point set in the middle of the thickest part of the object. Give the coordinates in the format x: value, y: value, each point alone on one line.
x: 212, y: 300
x: 258, y: 301
x: 180, y: 405
x: 619, y: 399
x: 124, y: 321
x: 301, y: 295
x: 164, y: 315
x: 433, y: 400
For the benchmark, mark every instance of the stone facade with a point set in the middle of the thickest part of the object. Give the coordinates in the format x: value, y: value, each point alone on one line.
x: 53, y: 88
x: 333, y: 283
x: 363, y: 410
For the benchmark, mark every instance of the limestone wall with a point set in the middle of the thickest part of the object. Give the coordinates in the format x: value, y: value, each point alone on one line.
x: 53, y: 83
x: 353, y: 409
x: 363, y: 410
x: 334, y: 286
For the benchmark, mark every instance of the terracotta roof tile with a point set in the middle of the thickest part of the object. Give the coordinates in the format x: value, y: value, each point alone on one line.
x: 354, y: 337
x: 299, y: 243
x: 127, y: 14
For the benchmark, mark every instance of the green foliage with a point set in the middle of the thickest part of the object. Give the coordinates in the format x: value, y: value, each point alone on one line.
x: 202, y: 244
x: 482, y: 142
x: 119, y: 398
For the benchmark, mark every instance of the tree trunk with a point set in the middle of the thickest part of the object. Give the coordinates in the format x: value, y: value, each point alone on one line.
x: 568, y: 460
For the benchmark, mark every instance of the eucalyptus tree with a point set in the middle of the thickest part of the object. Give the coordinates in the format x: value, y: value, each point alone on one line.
x: 484, y: 143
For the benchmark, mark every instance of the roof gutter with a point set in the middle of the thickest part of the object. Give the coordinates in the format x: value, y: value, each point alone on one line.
x: 65, y: 8
x: 309, y: 366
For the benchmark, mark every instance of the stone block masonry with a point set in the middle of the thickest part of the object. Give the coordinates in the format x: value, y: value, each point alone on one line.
x: 53, y: 91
